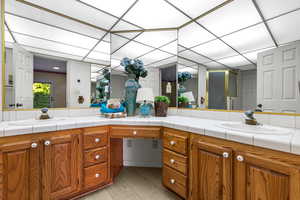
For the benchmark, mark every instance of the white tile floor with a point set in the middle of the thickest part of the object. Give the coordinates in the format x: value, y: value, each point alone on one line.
x: 135, y: 183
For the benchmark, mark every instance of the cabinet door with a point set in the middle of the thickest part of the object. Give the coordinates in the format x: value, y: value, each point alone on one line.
x: 19, y: 171
x: 258, y: 178
x: 61, y: 166
x: 211, y: 172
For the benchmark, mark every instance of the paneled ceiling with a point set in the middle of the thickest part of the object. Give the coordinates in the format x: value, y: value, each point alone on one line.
x: 212, y: 33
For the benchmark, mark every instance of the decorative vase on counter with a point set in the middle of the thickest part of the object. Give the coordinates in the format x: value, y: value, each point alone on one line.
x: 131, y: 87
x: 135, y: 69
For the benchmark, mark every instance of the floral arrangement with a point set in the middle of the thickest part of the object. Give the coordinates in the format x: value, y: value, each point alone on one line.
x: 134, y: 66
x: 184, y: 76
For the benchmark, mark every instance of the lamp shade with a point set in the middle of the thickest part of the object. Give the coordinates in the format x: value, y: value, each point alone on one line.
x: 145, y: 94
x: 189, y: 95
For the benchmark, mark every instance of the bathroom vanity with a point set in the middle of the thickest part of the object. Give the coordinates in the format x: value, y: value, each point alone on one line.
x: 68, y: 164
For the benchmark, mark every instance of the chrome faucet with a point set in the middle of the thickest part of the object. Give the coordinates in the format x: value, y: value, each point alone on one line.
x: 250, y: 119
x: 44, y: 114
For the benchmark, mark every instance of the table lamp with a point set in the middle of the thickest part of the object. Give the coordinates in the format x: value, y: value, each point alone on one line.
x: 146, y: 98
x: 190, y: 96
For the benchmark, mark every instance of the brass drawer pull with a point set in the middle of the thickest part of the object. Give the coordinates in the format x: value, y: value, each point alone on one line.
x: 172, y: 143
x: 172, y: 181
x: 97, y: 175
x: 97, y: 157
x: 172, y: 161
x: 97, y: 140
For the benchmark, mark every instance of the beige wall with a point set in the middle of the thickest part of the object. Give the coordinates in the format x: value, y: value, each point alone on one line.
x: 59, y: 86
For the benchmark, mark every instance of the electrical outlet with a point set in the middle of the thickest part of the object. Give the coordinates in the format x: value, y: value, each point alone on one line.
x: 129, y: 143
x: 154, y: 144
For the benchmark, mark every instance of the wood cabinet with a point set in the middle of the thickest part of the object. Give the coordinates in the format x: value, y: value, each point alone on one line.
x: 260, y: 178
x: 225, y: 170
x: 211, y: 171
x: 61, y: 166
x: 20, y: 170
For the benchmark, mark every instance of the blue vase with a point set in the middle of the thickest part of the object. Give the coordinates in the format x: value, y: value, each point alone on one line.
x: 145, y: 109
x: 131, y: 87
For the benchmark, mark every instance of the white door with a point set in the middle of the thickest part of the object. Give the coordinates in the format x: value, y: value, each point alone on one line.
x: 278, y: 78
x: 23, y: 77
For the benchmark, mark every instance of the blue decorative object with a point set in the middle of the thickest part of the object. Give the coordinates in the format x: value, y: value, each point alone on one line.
x: 135, y: 69
x: 183, y: 77
x: 104, y: 109
x: 145, y: 109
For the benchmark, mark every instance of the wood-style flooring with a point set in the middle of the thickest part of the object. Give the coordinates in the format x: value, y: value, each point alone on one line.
x: 135, y: 183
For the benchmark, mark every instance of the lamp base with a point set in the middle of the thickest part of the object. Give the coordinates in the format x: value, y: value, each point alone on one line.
x: 145, y: 109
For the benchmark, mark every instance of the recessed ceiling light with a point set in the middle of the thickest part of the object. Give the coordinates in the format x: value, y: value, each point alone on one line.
x: 56, y: 68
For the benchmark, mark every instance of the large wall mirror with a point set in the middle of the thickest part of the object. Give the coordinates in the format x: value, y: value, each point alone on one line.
x: 51, y: 61
x: 158, y: 52
x: 239, y: 66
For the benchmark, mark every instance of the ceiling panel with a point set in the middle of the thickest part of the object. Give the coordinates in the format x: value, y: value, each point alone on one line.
x: 170, y: 48
x: 20, y: 25
x: 99, y: 56
x: 234, y: 61
x: 195, y: 8
x: 51, y: 46
x: 117, y: 42
x: 185, y: 62
x: 96, y: 68
x: 215, y: 65
x: 122, y: 25
x: 270, y: 9
x: 253, y: 54
x: 15, y: 7
x: 132, y: 50
x: 286, y: 28
x: 103, y: 47
x: 155, y: 14
x: 192, y: 35
x: 193, y: 56
x: 256, y: 37
x: 157, y: 38
x: 76, y: 9
x: 234, y: 16
x: 115, y: 7
x: 154, y: 56
x: 164, y: 62
x: 215, y: 50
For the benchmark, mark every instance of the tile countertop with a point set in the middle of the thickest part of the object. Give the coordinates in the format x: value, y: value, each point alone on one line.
x: 287, y: 143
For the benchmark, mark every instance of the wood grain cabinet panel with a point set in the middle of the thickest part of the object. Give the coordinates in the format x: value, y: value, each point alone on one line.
x: 61, y: 166
x: 95, y: 156
x: 175, y: 161
x: 176, y: 141
x: 95, y: 175
x: 211, y: 172
x: 175, y: 181
x: 135, y: 132
x: 258, y: 178
x: 95, y: 137
x: 20, y: 171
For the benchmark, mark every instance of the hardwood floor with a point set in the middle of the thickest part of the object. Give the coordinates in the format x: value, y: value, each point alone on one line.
x: 135, y: 183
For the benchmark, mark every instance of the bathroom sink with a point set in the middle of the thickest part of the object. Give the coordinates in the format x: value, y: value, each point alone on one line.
x: 254, y: 129
x: 35, y: 121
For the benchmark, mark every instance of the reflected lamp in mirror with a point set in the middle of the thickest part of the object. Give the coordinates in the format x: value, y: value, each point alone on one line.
x: 189, y: 95
x: 146, y: 98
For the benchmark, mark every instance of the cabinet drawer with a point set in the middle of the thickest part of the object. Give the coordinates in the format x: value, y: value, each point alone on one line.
x: 95, y: 156
x: 135, y: 132
x: 94, y: 139
x: 95, y: 175
x: 175, y: 161
x: 176, y: 142
x: 175, y: 181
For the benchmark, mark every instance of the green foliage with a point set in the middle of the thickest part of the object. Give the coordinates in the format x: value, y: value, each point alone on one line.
x: 162, y: 99
x: 182, y: 99
x: 41, y: 92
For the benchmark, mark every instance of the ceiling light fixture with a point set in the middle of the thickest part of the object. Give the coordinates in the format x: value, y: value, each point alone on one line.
x: 56, y: 68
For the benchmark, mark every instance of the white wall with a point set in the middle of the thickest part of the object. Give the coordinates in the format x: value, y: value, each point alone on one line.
x: 1, y: 58
x: 248, y: 89
x: 151, y: 81
x: 78, y: 71
x: 201, y: 84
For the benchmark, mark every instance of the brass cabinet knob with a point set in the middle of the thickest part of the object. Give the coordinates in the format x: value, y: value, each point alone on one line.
x: 134, y: 132
x: 97, y: 175
x: 225, y: 155
x: 240, y: 158
x: 172, y: 143
x: 47, y: 143
x: 97, y: 140
x: 97, y: 157
x: 172, y: 161
x: 34, y: 145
